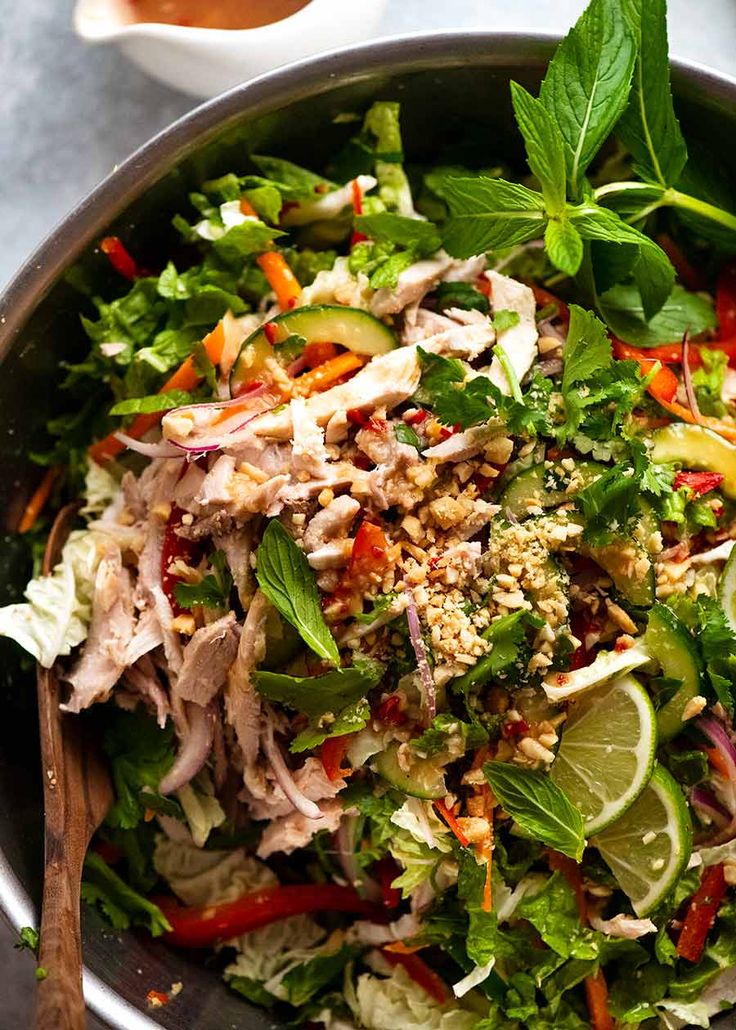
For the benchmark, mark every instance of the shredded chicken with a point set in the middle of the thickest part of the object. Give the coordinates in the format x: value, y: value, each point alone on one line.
x: 207, y: 660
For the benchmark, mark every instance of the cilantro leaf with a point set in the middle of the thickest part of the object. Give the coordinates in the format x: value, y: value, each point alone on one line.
x: 544, y: 147
x: 316, y: 695
x: 123, y: 906
x: 504, y: 319
x: 539, y: 806
x: 486, y: 214
x: 588, y: 348
x: 286, y: 579
x: 405, y: 434
x: 649, y: 126
x: 140, y: 755
x: 587, y: 83
x: 434, y: 740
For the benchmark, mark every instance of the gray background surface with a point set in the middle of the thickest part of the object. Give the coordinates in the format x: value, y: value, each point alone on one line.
x: 69, y: 112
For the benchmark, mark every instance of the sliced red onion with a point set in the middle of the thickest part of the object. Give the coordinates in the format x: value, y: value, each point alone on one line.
x: 705, y: 804
x: 547, y: 327
x: 296, y: 366
x: 344, y: 840
x: 283, y: 775
x: 550, y: 367
x: 203, y: 439
x: 687, y: 378
x: 716, y: 732
x: 415, y: 635
x: 150, y: 450
x: 195, y: 747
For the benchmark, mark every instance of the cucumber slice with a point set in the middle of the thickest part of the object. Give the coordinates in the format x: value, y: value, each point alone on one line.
x: 727, y: 590
x: 630, y: 567
x: 424, y: 779
x: 558, y: 686
x: 533, y: 484
x: 351, y: 328
x: 695, y: 447
x: 673, y: 648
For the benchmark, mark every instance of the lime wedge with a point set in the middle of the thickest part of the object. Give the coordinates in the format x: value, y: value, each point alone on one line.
x: 649, y: 846
x: 727, y: 590
x: 607, y: 751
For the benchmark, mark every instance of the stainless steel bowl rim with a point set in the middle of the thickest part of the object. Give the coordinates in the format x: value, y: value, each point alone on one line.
x: 147, y: 164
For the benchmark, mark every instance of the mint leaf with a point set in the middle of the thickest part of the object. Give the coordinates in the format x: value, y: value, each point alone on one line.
x: 649, y: 127
x: 316, y: 695
x: 242, y: 240
x: 544, y: 147
x: 487, y: 214
x: 303, y: 981
x: 553, y: 912
x: 140, y: 755
x: 682, y: 311
x: 413, y: 233
x: 213, y: 591
x: 300, y: 183
x: 504, y: 319
x: 539, y: 806
x: 152, y: 402
x: 286, y: 579
x: 587, y: 83
x: 652, y: 271
x: 461, y: 295
x: 587, y: 350
x: 350, y: 719
x: 564, y: 245
x: 405, y: 434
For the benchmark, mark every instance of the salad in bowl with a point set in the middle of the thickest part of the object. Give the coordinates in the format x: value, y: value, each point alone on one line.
x: 403, y: 583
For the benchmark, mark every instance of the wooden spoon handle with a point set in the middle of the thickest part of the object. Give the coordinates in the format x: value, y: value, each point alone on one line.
x: 60, y: 998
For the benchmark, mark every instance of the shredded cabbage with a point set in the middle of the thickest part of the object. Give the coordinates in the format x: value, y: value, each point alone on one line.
x: 201, y: 877
x: 202, y: 809
x: 397, y: 1001
x: 57, y: 614
x: 100, y: 489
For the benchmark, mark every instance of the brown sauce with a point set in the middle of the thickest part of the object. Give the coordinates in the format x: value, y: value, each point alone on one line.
x: 212, y: 14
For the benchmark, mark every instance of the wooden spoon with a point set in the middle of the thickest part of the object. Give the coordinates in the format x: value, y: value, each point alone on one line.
x: 77, y: 795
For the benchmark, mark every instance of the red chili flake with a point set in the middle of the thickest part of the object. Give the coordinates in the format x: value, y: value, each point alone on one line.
x: 482, y: 483
x: 356, y: 238
x: 621, y: 645
x: 390, y: 711
x: 515, y: 729
x: 356, y: 417
x: 699, y: 482
x: 288, y: 205
x: 156, y: 999
x: 483, y: 285
x: 447, y: 431
x: 271, y: 332
x: 434, y: 562
x: 416, y: 417
x: 362, y: 461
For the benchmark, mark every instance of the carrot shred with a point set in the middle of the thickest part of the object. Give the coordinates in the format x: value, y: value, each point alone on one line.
x: 185, y: 377
x: 722, y: 428
x: 280, y: 278
x: 718, y: 760
x: 247, y: 208
x: 38, y: 500
x: 449, y: 817
x: 327, y: 374
x: 571, y: 871
x: 596, y: 994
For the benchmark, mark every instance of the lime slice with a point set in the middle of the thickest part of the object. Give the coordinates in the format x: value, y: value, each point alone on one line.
x: 649, y: 846
x: 607, y: 752
x: 727, y: 590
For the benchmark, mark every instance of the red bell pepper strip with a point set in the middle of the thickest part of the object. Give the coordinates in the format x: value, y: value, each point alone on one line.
x: 200, y: 926
x: 726, y: 301
x: 421, y: 974
x: 386, y: 870
x: 448, y: 816
x: 331, y: 754
x: 671, y: 353
x: 699, y: 482
x: 175, y: 546
x: 701, y: 913
x: 357, y: 236
x: 120, y: 258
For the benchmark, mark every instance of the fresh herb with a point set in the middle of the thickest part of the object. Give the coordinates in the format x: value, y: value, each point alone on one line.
x: 464, y: 296
x: 436, y: 738
x: 682, y: 312
x: 212, y: 591
x: 28, y: 939
x: 539, y: 806
x: 381, y: 604
x: 413, y: 234
x: 405, y: 434
x: 316, y: 695
x: 350, y: 719
x: 292, y: 180
x: 303, y: 981
x: 553, y: 913
x: 285, y: 578
x: 588, y: 348
x: 504, y: 319
x: 121, y: 905
x: 487, y: 214
x: 140, y: 754
x: 708, y: 381
x: 152, y: 403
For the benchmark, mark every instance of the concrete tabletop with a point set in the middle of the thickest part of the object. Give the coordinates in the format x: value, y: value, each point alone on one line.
x: 69, y: 113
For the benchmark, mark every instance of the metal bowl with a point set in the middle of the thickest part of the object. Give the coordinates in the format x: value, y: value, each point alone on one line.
x: 452, y: 87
